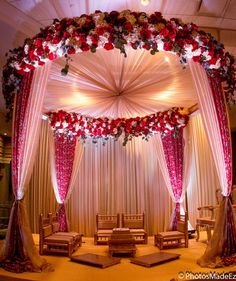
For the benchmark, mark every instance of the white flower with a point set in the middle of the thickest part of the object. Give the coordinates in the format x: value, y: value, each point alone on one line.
x: 26, y: 49
x: 215, y: 66
x: 206, y: 55
x: 197, y: 52
x: 64, y: 124
x: 89, y: 40
x: 60, y: 131
x: 58, y: 124
x: 60, y: 52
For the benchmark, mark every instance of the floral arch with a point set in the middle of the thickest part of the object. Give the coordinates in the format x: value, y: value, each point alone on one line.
x: 116, y: 30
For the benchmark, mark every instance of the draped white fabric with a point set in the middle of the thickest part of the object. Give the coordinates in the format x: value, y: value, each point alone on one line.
x: 32, y: 122
x: 33, y: 117
x: 210, y: 121
x: 108, y: 84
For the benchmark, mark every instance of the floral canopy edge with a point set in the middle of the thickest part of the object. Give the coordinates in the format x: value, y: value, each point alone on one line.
x: 118, y: 30
x: 72, y: 124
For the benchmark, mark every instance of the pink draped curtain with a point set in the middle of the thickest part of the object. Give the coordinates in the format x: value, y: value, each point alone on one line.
x: 19, y: 253
x: 64, y: 159
x: 214, y: 115
x: 173, y: 147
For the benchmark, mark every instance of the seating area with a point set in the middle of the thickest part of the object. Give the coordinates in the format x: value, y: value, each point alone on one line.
x: 51, y: 241
x: 106, y: 223
x: 176, y: 237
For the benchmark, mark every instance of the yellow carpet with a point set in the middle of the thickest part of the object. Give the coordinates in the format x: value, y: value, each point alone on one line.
x: 125, y: 271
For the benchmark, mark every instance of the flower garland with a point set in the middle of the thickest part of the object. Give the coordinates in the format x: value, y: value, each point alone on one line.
x: 73, y: 124
x: 118, y: 30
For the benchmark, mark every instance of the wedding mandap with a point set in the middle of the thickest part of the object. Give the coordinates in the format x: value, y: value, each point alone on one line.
x: 118, y: 112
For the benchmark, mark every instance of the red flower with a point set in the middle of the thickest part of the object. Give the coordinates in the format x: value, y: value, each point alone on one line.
x: 108, y: 46
x: 84, y: 47
x: 66, y: 34
x: 52, y: 56
x: 95, y: 39
x: 145, y: 34
x: 41, y: 63
x: 128, y: 26
x: 71, y: 50
x: 38, y: 42
x: 39, y: 51
x: 168, y: 46
x: 164, y: 32
x: 32, y: 55
x: 56, y: 40
x: 196, y: 58
x: 100, y: 30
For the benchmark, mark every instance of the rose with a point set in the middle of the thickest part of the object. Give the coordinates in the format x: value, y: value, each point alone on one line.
x: 108, y: 46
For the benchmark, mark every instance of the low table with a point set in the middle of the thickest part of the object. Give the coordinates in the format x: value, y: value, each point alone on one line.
x: 95, y: 260
x: 154, y: 259
x: 122, y: 242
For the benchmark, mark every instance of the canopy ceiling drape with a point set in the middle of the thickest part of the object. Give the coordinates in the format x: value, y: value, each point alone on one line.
x: 108, y: 84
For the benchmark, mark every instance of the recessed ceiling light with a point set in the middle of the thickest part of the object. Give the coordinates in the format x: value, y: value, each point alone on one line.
x: 145, y: 2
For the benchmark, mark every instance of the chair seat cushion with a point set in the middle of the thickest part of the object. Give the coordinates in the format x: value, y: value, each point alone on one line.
x: 205, y: 221
x: 170, y: 234
x: 104, y: 231
x: 58, y: 239
x: 137, y: 230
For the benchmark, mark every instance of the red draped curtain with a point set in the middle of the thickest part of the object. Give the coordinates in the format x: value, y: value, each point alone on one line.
x: 173, y: 146
x: 64, y: 159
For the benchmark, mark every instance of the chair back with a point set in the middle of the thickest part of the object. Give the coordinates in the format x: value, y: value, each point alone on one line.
x: 133, y: 221
x: 182, y: 225
x: 107, y: 221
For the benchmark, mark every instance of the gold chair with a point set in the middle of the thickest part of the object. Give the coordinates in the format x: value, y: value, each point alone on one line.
x: 174, y: 238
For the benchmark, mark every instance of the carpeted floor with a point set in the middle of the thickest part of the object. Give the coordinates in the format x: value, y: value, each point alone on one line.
x: 125, y: 271
x: 10, y: 278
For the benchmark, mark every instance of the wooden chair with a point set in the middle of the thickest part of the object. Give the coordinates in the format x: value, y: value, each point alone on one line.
x: 104, y: 227
x: 54, y: 219
x: 135, y: 222
x: 50, y: 242
x: 206, y: 220
x: 174, y: 238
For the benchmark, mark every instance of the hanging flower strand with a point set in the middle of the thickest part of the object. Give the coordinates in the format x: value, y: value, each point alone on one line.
x: 73, y: 124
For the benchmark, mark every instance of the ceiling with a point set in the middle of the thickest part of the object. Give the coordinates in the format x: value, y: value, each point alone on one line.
x: 20, y: 19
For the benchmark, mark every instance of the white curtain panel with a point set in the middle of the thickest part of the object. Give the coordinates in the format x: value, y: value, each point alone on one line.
x: 210, y: 121
x: 34, y: 113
